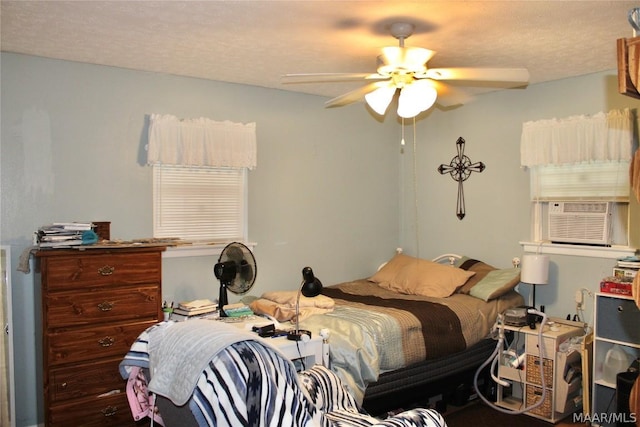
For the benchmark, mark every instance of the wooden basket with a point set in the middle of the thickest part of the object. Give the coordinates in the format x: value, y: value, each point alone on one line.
x: 533, y: 396
x: 533, y: 370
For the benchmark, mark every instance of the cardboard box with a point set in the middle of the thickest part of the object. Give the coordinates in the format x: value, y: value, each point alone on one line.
x: 614, y: 285
x: 627, y: 274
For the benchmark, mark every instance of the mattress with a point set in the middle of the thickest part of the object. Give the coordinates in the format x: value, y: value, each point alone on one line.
x: 375, y: 331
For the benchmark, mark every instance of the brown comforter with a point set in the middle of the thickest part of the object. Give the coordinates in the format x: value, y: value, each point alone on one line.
x: 439, y: 323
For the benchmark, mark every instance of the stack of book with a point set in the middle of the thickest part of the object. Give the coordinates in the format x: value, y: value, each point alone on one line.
x: 61, y: 234
x: 626, y: 268
x: 624, y: 272
x: 197, y: 309
x: 237, y: 310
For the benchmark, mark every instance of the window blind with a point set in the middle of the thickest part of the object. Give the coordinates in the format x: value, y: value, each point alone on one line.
x: 584, y: 181
x: 199, y: 204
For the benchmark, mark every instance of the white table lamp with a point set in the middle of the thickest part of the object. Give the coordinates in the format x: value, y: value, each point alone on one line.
x: 535, y: 271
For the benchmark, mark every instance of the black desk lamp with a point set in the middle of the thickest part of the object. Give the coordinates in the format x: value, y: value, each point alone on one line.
x: 310, y: 287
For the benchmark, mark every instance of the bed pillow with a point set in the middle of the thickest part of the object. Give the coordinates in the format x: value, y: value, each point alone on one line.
x: 426, y: 278
x: 480, y: 268
x: 496, y: 283
x: 388, y: 271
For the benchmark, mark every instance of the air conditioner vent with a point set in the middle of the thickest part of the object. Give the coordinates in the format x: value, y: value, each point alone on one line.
x: 580, y: 222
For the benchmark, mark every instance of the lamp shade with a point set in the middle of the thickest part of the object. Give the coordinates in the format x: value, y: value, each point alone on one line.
x: 416, y: 98
x: 380, y: 98
x: 311, y: 285
x: 535, y: 269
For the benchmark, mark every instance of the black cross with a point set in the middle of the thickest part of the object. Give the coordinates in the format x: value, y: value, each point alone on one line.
x: 460, y: 169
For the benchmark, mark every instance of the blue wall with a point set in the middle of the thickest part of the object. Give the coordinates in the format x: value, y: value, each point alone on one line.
x: 332, y: 188
x: 325, y: 192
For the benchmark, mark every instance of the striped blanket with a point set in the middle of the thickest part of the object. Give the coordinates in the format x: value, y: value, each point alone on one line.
x: 249, y: 383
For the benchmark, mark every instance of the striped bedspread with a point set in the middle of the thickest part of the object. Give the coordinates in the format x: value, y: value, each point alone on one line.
x: 254, y: 386
x: 250, y: 384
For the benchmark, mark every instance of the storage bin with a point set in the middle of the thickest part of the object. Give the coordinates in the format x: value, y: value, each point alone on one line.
x: 533, y: 371
x: 533, y: 395
x: 618, y: 319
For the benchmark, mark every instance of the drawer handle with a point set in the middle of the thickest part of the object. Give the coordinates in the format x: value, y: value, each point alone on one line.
x: 110, y: 411
x: 107, y: 270
x: 106, y: 342
x: 64, y: 385
x: 106, y: 306
x: 620, y: 309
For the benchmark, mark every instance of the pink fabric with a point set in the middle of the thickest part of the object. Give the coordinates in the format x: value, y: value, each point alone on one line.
x: 140, y: 402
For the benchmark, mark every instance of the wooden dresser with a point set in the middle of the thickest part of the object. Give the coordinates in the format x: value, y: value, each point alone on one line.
x: 95, y: 303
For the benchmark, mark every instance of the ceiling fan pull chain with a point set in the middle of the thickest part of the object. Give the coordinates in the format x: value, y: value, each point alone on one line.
x: 402, y: 139
x: 415, y: 189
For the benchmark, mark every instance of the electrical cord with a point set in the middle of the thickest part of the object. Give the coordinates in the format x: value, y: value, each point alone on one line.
x: 301, y: 359
x: 153, y: 409
x: 495, y: 357
x: 579, y: 316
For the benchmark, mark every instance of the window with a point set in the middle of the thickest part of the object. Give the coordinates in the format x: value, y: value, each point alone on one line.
x: 200, y: 204
x: 580, y: 159
x: 200, y: 170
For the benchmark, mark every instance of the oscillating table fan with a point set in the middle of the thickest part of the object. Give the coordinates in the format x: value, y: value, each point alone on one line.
x: 236, y: 270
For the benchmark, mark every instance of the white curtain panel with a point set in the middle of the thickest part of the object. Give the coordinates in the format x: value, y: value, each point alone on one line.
x: 201, y: 142
x: 577, y: 139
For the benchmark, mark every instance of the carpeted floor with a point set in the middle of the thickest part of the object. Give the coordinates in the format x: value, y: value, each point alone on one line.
x: 480, y: 415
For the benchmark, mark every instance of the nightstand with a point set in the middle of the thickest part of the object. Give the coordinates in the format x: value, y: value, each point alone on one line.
x: 307, y: 352
x: 563, y: 388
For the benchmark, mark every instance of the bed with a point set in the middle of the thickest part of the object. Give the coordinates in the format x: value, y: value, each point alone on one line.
x: 414, y: 323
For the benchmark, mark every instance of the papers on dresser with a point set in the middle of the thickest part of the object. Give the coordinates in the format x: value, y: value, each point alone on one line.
x: 62, y: 234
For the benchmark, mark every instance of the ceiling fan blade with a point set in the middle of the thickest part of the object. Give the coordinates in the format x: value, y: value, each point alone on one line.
x: 449, y: 96
x: 510, y: 75
x: 329, y: 77
x: 354, y: 95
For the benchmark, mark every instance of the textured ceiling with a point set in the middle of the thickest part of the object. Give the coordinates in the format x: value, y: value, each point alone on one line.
x: 256, y: 42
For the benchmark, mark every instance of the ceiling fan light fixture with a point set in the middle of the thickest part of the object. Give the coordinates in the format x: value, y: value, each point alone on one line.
x: 380, y: 98
x: 407, y: 59
x: 416, y: 98
x: 404, y: 69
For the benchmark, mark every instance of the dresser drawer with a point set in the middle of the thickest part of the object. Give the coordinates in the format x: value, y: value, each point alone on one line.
x: 91, y: 379
x: 617, y: 319
x: 108, y: 411
x: 84, y: 344
x: 102, y: 305
x: 82, y: 270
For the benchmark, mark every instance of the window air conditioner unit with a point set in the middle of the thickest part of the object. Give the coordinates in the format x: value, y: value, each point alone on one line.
x: 580, y: 222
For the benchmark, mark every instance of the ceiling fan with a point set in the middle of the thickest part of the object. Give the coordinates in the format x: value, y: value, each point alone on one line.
x: 404, y: 70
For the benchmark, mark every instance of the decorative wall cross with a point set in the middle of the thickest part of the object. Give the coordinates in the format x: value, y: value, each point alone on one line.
x: 460, y: 169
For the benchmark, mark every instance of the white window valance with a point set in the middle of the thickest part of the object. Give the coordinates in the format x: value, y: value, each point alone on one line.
x: 577, y: 139
x: 201, y: 142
